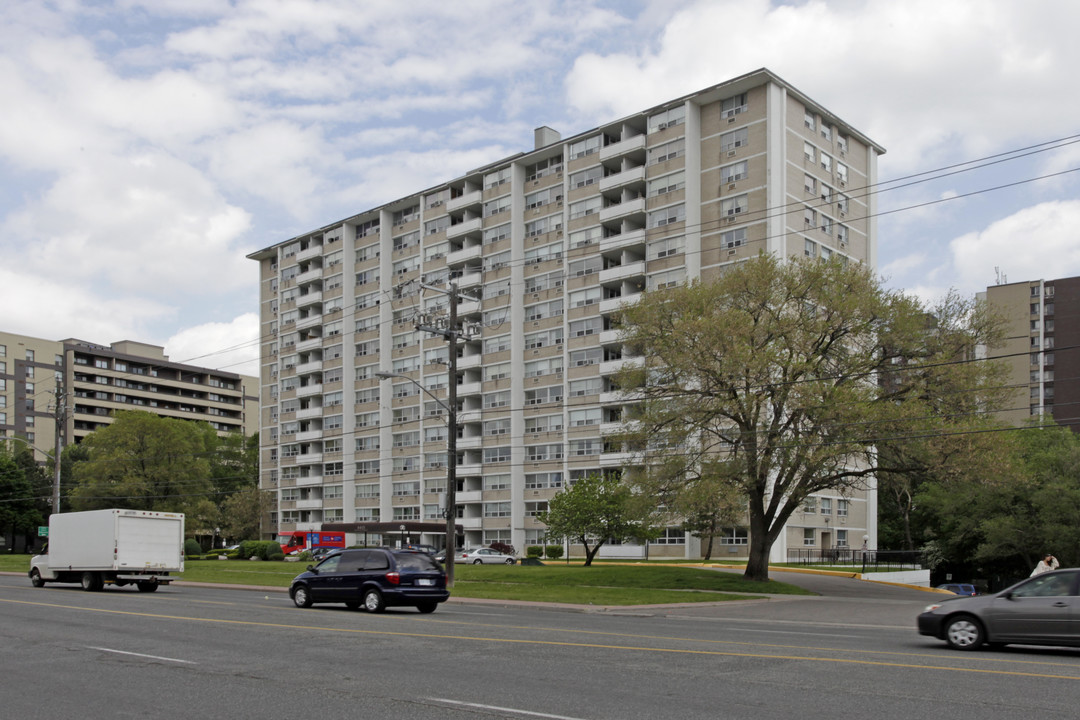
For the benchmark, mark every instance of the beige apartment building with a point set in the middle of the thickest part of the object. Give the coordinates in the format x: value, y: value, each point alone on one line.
x: 1042, y: 333
x: 544, y: 246
x: 94, y: 380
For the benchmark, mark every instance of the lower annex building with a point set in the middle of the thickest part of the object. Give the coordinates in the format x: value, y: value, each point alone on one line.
x: 544, y: 246
x: 95, y: 380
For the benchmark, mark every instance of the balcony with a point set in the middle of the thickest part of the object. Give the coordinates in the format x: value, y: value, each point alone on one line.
x: 472, y: 388
x: 463, y: 228
x: 471, y: 469
x: 464, y: 201
x: 309, y: 413
x: 309, y: 480
x: 309, y: 504
x: 313, y: 251
x: 309, y: 459
x: 308, y: 345
x: 616, y: 459
x: 626, y: 239
x: 470, y: 361
x: 610, y: 367
x: 470, y: 279
x: 309, y: 390
x: 623, y: 272
x: 310, y: 321
x: 625, y: 177
x: 309, y: 276
x: 309, y: 299
x: 467, y: 496
x: 308, y: 436
x: 458, y: 257
x: 308, y: 367
x: 610, y: 305
x: 629, y: 207
x: 611, y: 337
x: 622, y: 147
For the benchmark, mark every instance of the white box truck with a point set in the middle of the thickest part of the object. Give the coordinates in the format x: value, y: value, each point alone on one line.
x: 118, y: 547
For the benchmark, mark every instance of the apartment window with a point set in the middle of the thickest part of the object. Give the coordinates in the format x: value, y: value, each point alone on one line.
x: 588, y: 386
x: 809, y: 537
x: 842, y: 234
x: 667, y: 151
x: 841, y: 143
x: 496, y: 206
x: 808, y: 120
x: 841, y: 538
x: 809, y: 152
x: 497, y: 454
x: 585, y: 207
x: 334, y: 468
x: 730, y: 141
x: 497, y: 371
x: 548, y: 281
x: 542, y: 197
x: 826, y: 224
x: 547, y: 366
x: 437, y: 381
x: 667, y: 184
x: 587, y: 416
x: 588, y: 326
x: 810, y: 184
x: 368, y: 419
x: 544, y: 338
x: 535, y: 508
x: 409, y: 463
x: 842, y: 173
x: 497, y: 261
x: 826, y: 506
x: 543, y: 423
x: 733, y: 238
x: 670, y: 536
x: 497, y: 233
x: 406, y: 215
x: 544, y: 310
x: 588, y: 296
x: 734, y: 536
x: 541, y: 481
x: 540, y: 453
x: 497, y: 481
x: 733, y: 173
x: 669, y: 279
x: 408, y: 240
x: 585, y: 147
x: 588, y: 236
x: 30, y: 357
x: 497, y: 344
x: 493, y: 318
x: 408, y: 265
x: 810, y: 248
x: 543, y: 225
x: 497, y: 427
x: 585, y: 447
x: 733, y: 106
x: 826, y: 163
x: 497, y: 399
x: 543, y: 168
x: 734, y: 206
x: 496, y: 509
x: 542, y: 254
x: 406, y: 439
x: 587, y: 177
x: 667, y: 216
x: 587, y: 356
x: 668, y: 118
x: 541, y: 396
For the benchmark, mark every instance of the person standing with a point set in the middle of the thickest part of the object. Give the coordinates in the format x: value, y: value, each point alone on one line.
x: 1048, y: 563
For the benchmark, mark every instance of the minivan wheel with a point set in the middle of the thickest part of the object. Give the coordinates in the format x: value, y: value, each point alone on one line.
x: 373, y: 601
x: 301, y: 597
x: 964, y: 632
x: 427, y: 607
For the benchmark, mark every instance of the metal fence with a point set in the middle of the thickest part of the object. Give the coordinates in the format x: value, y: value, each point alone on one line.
x: 864, y: 560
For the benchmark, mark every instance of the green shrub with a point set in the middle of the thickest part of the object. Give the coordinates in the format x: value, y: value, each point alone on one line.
x: 553, y: 552
x: 275, y: 554
x: 534, y: 551
x: 192, y: 549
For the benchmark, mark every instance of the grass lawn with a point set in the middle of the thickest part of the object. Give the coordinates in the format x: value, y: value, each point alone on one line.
x: 601, y: 584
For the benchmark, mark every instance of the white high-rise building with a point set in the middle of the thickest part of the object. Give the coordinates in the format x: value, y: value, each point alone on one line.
x: 548, y: 244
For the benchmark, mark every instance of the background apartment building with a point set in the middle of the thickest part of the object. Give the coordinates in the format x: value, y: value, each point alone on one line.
x: 1042, y: 348
x: 547, y: 244
x: 95, y: 380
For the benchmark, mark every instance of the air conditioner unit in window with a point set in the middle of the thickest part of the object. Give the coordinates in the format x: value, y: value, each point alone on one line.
x: 731, y: 252
x: 731, y: 119
x: 731, y: 186
x: 662, y: 126
x: 731, y: 153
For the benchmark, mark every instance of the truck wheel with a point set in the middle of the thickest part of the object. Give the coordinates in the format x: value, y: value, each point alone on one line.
x: 35, y: 578
x: 147, y: 586
x: 373, y: 601
x: 301, y: 597
x: 92, y: 582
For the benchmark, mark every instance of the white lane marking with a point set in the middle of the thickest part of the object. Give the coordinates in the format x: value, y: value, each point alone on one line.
x: 152, y: 657
x: 791, y: 632
x: 503, y: 709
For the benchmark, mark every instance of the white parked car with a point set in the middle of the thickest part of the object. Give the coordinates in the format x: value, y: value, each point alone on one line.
x: 487, y: 556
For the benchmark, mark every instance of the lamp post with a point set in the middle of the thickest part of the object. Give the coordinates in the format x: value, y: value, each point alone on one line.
x: 451, y: 455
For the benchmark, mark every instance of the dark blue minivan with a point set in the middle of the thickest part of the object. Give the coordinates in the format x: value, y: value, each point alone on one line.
x: 373, y: 578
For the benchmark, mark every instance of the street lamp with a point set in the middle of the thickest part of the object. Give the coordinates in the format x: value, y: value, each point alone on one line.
x: 451, y: 461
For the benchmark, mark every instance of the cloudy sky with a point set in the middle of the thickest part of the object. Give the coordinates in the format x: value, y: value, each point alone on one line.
x: 147, y: 146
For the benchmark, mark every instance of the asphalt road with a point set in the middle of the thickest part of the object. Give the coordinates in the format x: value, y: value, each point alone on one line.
x: 211, y: 652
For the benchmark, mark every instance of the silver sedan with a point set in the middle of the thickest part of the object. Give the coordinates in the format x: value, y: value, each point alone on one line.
x: 1042, y: 610
x: 487, y: 556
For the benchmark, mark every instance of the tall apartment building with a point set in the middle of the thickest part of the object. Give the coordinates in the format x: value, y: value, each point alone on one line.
x: 96, y: 380
x: 1042, y: 348
x: 548, y: 244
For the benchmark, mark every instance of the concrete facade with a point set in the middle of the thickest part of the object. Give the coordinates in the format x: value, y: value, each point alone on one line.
x: 549, y: 244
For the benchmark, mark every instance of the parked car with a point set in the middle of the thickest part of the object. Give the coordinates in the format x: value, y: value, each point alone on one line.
x: 373, y: 578
x: 959, y: 588
x: 429, y: 549
x: 487, y: 556
x: 321, y: 553
x: 1042, y: 610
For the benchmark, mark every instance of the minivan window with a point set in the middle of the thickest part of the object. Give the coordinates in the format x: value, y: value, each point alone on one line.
x: 417, y: 562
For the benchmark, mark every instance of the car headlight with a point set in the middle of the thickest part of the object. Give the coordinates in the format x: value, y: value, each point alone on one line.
x: 931, y: 608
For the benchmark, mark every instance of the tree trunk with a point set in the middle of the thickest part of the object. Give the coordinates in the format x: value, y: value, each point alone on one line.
x: 757, y: 564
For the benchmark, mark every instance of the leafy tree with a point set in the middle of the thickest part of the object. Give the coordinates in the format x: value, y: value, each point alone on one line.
x: 18, y: 509
x: 774, y: 367
x: 242, y: 513
x: 146, y: 462
x: 593, y: 511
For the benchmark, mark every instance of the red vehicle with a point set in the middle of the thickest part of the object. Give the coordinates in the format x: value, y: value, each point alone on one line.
x: 296, y: 542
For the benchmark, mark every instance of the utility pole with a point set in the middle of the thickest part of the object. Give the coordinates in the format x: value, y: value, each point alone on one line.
x: 451, y: 333
x: 59, y: 420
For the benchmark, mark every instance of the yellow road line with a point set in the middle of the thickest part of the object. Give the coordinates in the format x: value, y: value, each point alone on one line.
x: 549, y: 643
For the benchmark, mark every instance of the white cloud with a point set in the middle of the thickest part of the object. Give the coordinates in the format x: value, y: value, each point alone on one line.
x: 1039, y: 242
x: 232, y: 346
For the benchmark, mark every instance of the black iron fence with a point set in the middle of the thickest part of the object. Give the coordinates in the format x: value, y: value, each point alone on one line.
x: 857, y: 559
